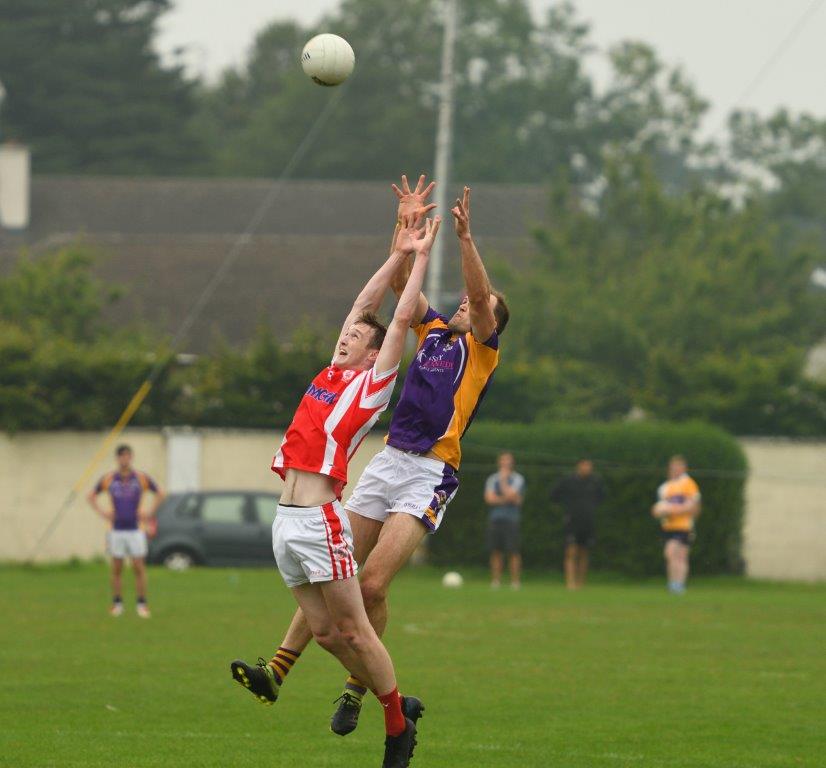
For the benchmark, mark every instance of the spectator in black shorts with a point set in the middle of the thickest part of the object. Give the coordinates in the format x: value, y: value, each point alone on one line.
x: 504, y: 492
x: 579, y: 494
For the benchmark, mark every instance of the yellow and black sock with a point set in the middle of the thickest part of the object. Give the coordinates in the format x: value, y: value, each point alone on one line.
x: 282, y: 663
x: 355, y: 687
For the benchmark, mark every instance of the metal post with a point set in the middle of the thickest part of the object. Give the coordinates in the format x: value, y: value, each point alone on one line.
x: 444, y: 146
x: 2, y: 99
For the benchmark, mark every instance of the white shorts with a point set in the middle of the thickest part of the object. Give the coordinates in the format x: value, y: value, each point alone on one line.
x: 313, y: 544
x: 121, y: 544
x: 395, y: 481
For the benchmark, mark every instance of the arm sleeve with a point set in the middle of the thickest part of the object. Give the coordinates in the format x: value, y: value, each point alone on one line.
x: 490, y: 484
x: 104, y: 482
x: 492, y: 342
x: 432, y: 319
x: 693, y: 489
x: 378, y: 389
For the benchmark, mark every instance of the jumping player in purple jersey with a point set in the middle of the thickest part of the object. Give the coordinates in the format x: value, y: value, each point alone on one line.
x: 406, y: 488
x: 125, y: 487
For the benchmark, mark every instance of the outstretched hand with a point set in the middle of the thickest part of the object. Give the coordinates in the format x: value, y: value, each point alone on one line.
x: 424, y: 238
x: 414, y: 202
x: 461, y: 214
x: 416, y: 240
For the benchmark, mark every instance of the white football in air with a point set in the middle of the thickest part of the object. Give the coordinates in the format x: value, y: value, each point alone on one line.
x: 452, y: 580
x: 328, y: 59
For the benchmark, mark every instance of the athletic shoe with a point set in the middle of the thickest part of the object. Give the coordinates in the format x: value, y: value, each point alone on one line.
x: 413, y: 710
x: 258, y: 680
x: 116, y: 609
x: 346, y: 717
x: 399, y: 749
x: 143, y: 611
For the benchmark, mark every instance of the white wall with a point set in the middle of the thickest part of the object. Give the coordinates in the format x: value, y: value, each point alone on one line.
x: 39, y: 469
x: 784, y: 533
x: 784, y: 536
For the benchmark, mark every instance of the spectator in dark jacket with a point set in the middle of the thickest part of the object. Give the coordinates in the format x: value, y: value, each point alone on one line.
x: 579, y: 494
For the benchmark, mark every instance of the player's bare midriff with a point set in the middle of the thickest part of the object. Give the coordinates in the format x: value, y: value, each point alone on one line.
x: 307, y: 489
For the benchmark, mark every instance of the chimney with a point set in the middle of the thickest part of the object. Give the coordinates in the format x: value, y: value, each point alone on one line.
x: 15, y: 173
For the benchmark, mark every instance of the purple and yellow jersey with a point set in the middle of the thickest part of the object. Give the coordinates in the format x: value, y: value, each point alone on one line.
x: 442, y: 390
x: 126, y: 492
x: 678, y: 491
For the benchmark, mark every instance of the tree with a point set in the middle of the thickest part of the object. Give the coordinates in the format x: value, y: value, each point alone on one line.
x: 526, y: 109
x: 86, y: 90
x: 791, y: 151
x: 56, y: 295
x: 682, y: 305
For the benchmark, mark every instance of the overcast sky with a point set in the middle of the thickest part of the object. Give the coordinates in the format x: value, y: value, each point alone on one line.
x: 723, y: 44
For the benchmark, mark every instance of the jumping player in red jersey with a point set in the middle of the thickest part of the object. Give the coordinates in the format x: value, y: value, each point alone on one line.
x: 312, y: 538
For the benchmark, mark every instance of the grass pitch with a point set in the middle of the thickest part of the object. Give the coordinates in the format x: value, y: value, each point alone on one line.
x: 730, y: 675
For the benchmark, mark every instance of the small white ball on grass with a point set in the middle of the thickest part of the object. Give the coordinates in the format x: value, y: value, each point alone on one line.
x: 452, y: 580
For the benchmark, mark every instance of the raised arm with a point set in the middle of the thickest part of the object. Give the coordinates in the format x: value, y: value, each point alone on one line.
x: 372, y: 295
x: 411, y: 203
x: 420, y: 241
x: 477, y: 285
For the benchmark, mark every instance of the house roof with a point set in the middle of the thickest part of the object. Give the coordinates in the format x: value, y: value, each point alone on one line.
x: 317, y: 242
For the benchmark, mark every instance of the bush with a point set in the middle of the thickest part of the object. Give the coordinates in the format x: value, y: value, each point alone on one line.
x: 631, y: 459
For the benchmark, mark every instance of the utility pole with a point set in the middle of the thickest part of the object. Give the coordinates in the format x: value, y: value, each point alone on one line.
x: 444, y: 148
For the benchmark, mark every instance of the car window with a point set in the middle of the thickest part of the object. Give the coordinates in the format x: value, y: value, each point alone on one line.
x: 265, y: 507
x: 188, y: 507
x: 222, y: 509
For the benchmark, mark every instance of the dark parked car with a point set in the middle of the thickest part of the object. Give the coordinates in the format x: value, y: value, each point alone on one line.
x: 214, y: 528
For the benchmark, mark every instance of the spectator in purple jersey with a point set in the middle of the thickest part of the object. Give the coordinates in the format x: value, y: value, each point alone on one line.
x: 125, y: 538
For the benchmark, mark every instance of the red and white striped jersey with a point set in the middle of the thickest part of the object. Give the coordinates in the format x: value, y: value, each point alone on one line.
x: 337, y: 411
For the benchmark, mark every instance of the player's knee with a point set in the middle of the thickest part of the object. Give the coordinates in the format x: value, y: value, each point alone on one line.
x: 373, y: 592
x: 328, y: 638
x: 354, y: 634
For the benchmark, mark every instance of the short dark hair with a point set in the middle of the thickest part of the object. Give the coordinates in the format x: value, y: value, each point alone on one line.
x: 501, y: 311
x: 379, y: 329
x: 123, y: 448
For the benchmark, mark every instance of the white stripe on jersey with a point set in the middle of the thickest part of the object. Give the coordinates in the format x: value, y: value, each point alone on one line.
x: 334, y: 419
x: 360, y: 435
x: 462, y: 361
x: 376, y: 378
x: 278, y: 461
x: 378, y: 400
x: 381, y: 398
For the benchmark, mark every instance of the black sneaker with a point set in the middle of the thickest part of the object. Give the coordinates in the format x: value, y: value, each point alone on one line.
x: 258, y: 680
x: 399, y: 749
x: 346, y: 717
x: 413, y: 709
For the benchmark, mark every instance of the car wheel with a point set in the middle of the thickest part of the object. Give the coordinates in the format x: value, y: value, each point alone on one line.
x: 178, y: 560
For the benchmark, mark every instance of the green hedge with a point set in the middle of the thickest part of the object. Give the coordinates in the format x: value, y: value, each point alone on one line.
x: 631, y: 458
